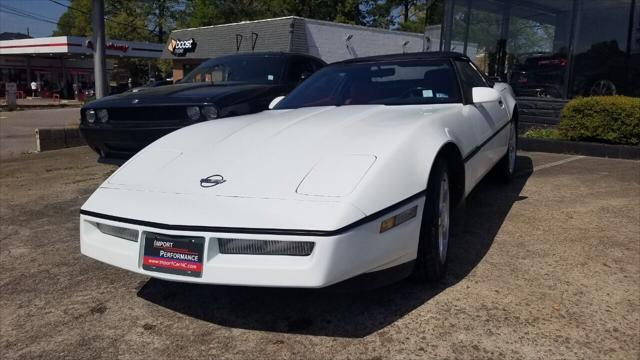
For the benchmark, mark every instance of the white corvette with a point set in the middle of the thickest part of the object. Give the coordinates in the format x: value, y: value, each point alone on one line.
x: 353, y: 174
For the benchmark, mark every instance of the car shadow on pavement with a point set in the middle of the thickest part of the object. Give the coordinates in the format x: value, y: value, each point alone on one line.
x: 347, y: 314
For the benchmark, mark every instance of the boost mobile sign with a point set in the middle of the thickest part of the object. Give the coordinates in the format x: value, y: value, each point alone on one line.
x: 181, y: 47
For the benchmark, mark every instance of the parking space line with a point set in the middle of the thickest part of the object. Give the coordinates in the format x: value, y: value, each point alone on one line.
x: 552, y: 164
x: 556, y: 163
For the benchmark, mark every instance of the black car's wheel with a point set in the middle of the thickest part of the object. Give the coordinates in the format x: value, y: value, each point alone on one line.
x: 602, y: 88
x: 507, y: 165
x: 435, y: 230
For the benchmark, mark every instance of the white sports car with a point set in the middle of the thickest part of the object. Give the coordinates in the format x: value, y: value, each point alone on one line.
x: 353, y: 174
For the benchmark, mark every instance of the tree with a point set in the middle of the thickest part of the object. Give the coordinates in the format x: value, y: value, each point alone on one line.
x: 163, y: 15
x: 76, y: 21
x: 139, y: 20
x: 127, y: 20
x: 350, y: 12
x: 150, y: 20
x: 405, y: 15
x: 214, y: 12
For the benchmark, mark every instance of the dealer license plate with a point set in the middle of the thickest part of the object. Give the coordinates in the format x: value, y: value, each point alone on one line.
x: 179, y: 255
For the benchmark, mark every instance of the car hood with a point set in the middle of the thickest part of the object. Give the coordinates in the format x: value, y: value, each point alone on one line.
x: 317, y: 153
x: 176, y: 94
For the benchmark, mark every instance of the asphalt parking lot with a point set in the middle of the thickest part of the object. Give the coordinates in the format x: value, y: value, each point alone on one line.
x: 547, y: 267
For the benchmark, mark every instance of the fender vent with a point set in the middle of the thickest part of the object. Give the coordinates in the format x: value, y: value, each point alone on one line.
x: 265, y: 247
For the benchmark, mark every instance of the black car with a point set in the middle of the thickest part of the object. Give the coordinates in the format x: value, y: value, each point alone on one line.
x: 153, y: 83
x: 118, y: 126
x: 538, y: 75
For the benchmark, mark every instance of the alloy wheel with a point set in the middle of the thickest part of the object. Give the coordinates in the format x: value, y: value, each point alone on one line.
x: 443, y: 218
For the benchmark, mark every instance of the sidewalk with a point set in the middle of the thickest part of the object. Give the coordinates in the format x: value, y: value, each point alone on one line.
x: 36, y: 103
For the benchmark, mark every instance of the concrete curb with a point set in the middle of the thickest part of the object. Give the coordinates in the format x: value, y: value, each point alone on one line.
x: 580, y: 148
x: 58, y: 138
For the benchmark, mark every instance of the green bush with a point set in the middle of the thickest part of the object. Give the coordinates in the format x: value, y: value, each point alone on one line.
x: 543, y: 133
x: 608, y: 119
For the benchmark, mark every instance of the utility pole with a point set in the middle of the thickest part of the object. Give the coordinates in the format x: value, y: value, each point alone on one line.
x: 99, y: 63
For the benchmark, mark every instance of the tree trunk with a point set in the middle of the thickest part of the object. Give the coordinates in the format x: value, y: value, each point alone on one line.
x: 406, y: 5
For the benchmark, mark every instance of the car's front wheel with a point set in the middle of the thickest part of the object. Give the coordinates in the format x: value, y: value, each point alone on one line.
x: 507, y: 166
x: 435, y: 230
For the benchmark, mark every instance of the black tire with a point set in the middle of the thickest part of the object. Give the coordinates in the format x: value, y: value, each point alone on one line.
x: 506, y: 167
x: 430, y: 266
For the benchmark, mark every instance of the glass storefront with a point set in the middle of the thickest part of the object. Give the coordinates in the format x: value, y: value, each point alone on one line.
x: 600, y: 48
x: 551, y: 48
x: 66, y: 77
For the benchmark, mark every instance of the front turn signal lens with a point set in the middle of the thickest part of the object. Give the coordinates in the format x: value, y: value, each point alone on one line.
x: 390, y: 223
x: 387, y: 224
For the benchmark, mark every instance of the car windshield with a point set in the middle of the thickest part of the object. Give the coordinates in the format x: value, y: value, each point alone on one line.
x: 387, y: 83
x: 238, y: 69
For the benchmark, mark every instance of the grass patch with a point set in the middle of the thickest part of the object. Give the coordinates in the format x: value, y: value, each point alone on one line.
x: 543, y: 133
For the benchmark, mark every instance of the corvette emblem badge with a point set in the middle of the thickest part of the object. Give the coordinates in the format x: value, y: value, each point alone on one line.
x: 211, y: 181
x: 135, y: 101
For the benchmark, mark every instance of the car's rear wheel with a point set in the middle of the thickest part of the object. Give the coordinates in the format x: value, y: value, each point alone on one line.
x: 435, y: 230
x: 602, y: 88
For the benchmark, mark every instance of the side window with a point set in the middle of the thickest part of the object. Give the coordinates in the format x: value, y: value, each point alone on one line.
x: 300, y: 68
x: 470, y: 78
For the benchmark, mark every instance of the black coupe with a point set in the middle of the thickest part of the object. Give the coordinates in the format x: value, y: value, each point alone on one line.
x: 118, y: 126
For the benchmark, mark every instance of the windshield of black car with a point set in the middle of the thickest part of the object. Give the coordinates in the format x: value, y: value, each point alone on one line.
x: 399, y: 82
x: 238, y: 69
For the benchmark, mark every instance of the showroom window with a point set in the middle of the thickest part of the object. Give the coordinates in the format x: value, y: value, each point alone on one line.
x: 549, y: 49
x: 538, y: 49
x: 599, y: 59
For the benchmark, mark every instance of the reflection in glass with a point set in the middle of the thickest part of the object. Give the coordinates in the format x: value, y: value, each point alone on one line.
x: 476, y: 29
x: 600, y: 65
x: 538, y: 48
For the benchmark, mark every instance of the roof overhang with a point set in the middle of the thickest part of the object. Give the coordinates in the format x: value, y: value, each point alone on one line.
x: 81, y: 46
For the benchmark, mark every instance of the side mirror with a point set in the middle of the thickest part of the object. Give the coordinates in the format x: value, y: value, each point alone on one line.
x: 275, y: 102
x: 484, y: 95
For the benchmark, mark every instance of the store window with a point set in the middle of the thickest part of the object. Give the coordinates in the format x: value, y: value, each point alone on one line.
x: 549, y: 48
x: 187, y: 68
x: 538, y: 48
x: 477, y: 26
x: 634, y: 56
x: 600, y: 65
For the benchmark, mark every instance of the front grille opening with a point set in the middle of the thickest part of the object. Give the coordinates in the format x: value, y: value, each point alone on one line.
x: 117, y: 231
x: 148, y: 115
x: 265, y: 247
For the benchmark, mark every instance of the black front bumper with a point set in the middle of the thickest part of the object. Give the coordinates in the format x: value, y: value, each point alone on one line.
x: 121, y: 143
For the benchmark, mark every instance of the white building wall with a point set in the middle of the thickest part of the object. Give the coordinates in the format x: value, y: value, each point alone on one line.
x: 328, y: 41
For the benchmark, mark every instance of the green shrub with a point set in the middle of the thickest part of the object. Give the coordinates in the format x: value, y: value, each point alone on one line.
x: 608, y: 119
x: 543, y: 133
